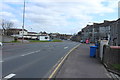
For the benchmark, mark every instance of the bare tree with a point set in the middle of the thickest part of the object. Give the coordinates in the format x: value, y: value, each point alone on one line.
x: 6, y: 25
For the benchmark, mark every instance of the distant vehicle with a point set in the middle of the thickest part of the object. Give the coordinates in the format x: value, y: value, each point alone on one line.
x: 1, y: 44
x: 81, y: 41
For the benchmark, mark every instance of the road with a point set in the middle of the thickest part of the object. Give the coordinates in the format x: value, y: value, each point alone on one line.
x: 32, y: 60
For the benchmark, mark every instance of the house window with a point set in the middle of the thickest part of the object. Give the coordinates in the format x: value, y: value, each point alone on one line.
x: 46, y: 37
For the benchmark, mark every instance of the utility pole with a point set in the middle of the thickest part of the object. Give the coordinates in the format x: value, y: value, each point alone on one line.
x: 23, y: 22
x: 118, y: 24
x: 118, y: 9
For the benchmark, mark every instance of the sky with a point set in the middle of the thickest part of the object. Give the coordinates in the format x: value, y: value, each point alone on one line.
x: 62, y: 16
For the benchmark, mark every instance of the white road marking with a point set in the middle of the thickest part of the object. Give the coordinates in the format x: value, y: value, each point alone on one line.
x: 65, y: 47
x: 30, y: 53
x: 10, y: 76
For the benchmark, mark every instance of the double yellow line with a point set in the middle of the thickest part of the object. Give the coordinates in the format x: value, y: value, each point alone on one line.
x: 58, y: 66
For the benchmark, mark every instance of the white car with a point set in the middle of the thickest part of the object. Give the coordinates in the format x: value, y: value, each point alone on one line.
x: 1, y: 44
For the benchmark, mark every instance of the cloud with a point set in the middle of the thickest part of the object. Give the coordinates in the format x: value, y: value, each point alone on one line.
x: 16, y: 22
x: 6, y: 14
x: 62, y: 15
x: 5, y: 6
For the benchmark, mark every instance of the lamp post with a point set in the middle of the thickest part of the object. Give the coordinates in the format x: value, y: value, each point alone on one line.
x: 118, y: 9
x: 23, y: 22
x: 118, y: 23
x: 118, y: 30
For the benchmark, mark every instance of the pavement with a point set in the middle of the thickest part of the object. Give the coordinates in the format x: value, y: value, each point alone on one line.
x: 80, y: 65
x: 33, y: 60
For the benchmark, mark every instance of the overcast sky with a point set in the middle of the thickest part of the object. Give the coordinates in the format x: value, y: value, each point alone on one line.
x: 63, y: 16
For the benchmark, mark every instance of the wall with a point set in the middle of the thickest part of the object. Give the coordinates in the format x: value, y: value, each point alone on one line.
x: 102, y: 43
x: 7, y: 38
x: 118, y: 30
x: 111, y: 57
x: 115, y: 33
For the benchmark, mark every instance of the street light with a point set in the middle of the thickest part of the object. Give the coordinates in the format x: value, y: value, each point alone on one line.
x: 118, y: 9
x: 23, y: 22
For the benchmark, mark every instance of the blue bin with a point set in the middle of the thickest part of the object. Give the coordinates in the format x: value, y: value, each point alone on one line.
x: 93, y: 51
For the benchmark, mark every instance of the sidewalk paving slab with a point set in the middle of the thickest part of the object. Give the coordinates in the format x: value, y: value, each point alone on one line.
x: 80, y: 65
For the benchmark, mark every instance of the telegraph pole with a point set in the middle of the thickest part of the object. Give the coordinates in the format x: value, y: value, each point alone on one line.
x: 118, y: 24
x: 23, y: 22
x: 118, y: 9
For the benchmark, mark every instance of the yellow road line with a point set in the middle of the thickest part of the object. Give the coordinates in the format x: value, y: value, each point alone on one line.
x: 61, y: 62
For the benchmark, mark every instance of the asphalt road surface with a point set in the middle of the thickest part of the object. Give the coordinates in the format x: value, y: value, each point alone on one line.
x: 32, y: 60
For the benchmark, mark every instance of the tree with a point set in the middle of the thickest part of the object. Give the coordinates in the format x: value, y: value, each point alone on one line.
x: 6, y: 25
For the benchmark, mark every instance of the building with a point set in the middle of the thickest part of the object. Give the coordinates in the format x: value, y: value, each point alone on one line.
x: 76, y: 38
x: 104, y: 29
x: 15, y: 31
x: 37, y: 36
x: 101, y: 31
x: 115, y: 33
x: 87, y: 33
x: 19, y: 33
x: 60, y: 36
x: 54, y: 35
x: 44, y: 37
x: 65, y: 36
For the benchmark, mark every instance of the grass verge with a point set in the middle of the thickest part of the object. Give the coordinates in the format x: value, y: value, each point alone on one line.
x: 57, y: 40
x: 116, y: 66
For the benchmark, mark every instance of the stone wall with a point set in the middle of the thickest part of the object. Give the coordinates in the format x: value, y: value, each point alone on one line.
x: 6, y: 38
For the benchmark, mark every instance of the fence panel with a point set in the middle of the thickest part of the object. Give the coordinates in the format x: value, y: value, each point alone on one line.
x: 111, y: 57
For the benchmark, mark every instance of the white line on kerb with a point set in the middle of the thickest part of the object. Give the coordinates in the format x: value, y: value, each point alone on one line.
x: 30, y: 53
x: 10, y: 76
